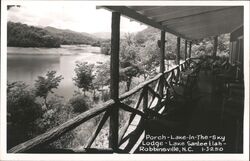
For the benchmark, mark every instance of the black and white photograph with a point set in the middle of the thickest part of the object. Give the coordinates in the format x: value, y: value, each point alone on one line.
x: 160, y: 78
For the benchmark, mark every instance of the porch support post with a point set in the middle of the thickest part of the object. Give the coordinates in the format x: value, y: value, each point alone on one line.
x: 185, y: 49
x: 178, y: 50
x: 190, y: 49
x: 215, y: 46
x: 162, y: 62
x: 114, y: 75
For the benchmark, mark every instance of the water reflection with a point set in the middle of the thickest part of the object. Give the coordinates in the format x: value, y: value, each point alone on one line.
x: 27, y: 67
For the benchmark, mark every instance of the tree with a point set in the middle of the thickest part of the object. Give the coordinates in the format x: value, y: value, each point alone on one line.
x: 140, y: 38
x: 103, y: 74
x: 129, y: 62
x: 10, y: 6
x: 84, y: 76
x: 149, y: 59
x: 126, y: 74
x: 129, y: 39
x: 45, y: 85
x: 106, y: 48
x: 223, y: 43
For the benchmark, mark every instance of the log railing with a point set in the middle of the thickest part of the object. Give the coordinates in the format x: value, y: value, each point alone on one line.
x: 148, y: 104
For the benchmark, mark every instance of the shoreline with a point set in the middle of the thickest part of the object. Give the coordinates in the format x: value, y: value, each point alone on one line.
x: 64, y: 50
x: 61, y: 45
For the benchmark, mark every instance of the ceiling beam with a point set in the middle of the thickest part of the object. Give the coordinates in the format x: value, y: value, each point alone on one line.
x: 143, y: 8
x: 130, y: 13
x: 134, y: 15
x: 165, y: 10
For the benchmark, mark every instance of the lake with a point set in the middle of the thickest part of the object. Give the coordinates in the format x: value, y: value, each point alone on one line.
x: 26, y: 64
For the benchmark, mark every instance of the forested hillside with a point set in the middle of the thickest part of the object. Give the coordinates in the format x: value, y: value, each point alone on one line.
x: 22, y: 35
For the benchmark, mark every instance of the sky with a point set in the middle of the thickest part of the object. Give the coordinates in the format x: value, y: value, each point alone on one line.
x: 76, y: 17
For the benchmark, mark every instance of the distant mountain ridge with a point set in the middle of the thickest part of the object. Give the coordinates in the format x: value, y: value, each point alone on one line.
x: 22, y: 35
x: 68, y: 37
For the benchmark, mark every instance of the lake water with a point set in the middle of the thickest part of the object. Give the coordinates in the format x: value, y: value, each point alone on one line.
x: 26, y: 64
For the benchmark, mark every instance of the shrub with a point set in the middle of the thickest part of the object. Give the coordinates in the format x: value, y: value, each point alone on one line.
x: 22, y: 111
x: 21, y: 105
x: 80, y: 103
x: 58, y: 114
x: 106, y: 48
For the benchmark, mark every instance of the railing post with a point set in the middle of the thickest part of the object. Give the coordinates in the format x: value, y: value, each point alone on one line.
x: 162, y: 62
x: 215, y: 46
x: 145, y: 98
x: 185, y: 49
x: 178, y: 50
x: 114, y: 85
x: 190, y: 49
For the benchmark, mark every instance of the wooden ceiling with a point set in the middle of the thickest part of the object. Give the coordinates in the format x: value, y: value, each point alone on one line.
x: 188, y: 22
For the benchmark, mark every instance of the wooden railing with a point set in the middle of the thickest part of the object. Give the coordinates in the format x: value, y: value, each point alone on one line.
x: 148, y: 95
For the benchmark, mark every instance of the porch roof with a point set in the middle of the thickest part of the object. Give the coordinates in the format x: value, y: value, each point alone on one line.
x: 188, y: 22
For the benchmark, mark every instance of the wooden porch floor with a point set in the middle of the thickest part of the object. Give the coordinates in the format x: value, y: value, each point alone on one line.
x: 207, y: 116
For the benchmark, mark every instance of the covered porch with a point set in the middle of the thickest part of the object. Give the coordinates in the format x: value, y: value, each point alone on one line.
x: 198, y: 97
